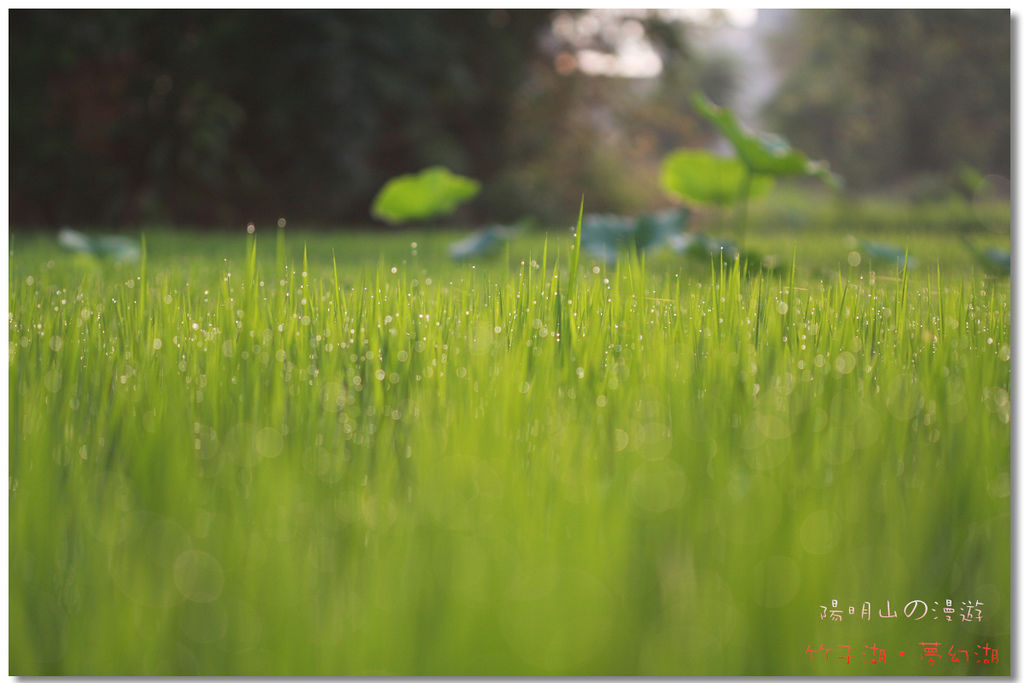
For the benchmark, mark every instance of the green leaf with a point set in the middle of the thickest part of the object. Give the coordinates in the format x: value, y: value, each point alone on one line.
x: 705, y: 178
x: 763, y: 153
x: 434, y: 191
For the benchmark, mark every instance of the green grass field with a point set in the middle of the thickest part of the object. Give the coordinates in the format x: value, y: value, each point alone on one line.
x: 345, y: 454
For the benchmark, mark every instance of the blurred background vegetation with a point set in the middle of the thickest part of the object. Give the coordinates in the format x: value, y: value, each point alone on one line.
x: 216, y: 118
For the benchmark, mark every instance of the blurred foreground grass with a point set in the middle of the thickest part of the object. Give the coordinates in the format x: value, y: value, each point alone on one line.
x: 397, y: 465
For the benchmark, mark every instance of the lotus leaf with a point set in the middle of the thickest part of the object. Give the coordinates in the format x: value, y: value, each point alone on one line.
x: 705, y: 178
x: 118, y: 247
x: 763, y: 153
x: 605, y: 234
x: 434, y: 191
x: 480, y: 243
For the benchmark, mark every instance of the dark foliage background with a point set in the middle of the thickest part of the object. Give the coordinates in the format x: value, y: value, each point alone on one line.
x: 886, y: 95
x: 188, y: 117
x: 221, y: 116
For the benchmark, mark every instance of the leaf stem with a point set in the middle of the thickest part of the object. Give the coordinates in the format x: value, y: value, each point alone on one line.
x: 741, y: 211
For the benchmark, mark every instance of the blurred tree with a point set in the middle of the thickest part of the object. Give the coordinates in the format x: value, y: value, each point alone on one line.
x: 572, y: 131
x: 226, y: 116
x: 884, y: 94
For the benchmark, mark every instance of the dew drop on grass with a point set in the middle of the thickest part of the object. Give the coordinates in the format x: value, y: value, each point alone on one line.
x: 269, y: 442
x: 819, y: 532
x: 250, y: 228
x: 198, y: 576
x: 999, y: 487
x: 845, y: 363
x: 52, y: 380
